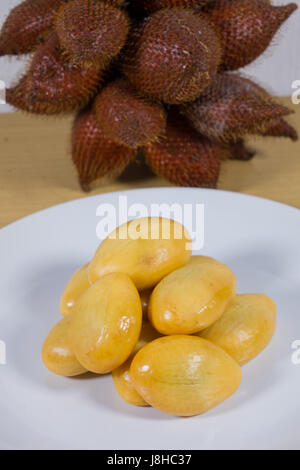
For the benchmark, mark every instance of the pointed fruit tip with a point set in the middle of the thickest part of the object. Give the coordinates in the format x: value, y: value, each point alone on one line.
x: 84, y: 186
x: 294, y: 136
x: 287, y: 10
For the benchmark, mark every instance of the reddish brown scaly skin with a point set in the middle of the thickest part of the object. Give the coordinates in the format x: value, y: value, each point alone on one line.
x: 151, y: 6
x: 184, y: 157
x: 17, y: 95
x: 94, y: 155
x: 172, y: 55
x: 275, y: 128
x: 53, y: 85
x: 232, y: 107
x: 115, y: 3
x: 26, y: 25
x: 126, y: 118
x: 91, y: 32
x: 279, y: 128
x: 246, y: 28
x: 238, y: 151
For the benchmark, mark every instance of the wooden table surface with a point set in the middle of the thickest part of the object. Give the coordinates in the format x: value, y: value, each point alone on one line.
x: 36, y: 169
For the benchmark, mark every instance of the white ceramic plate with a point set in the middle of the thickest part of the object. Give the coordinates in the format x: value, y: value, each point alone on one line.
x: 257, y: 238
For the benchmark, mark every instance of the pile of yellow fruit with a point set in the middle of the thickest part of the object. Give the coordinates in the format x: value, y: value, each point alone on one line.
x: 169, y: 326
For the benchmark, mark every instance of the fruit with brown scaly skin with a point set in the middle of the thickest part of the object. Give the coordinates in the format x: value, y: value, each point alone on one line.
x: 184, y: 157
x: 91, y: 32
x: 147, y: 6
x: 59, y: 84
x: 27, y: 25
x: 172, y: 55
x: 17, y: 95
x: 127, y: 118
x: 51, y: 85
x: 279, y: 128
x: 246, y: 28
x: 175, y: 55
x: 94, y: 155
x: 238, y: 151
x: 232, y: 107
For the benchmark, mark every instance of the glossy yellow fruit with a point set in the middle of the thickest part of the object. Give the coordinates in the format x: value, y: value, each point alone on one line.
x: 246, y: 327
x: 57, y: 354
x: 146, y: 249
x: 105, y: 323
x: 121, y: 375
x: 145, y: 298
x: 184, y: 375
x: 78, y: 284
x: 192, y: 298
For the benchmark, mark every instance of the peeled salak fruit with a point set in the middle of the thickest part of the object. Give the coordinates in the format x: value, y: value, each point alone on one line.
x: 52, y: 85
x: 91, y: 32
x: 77, y: 284
x: 57, y: 354
x: 106, y: 323
x: 121, y: 375
x: 246, y: 28
x: 95, y: 156
x: 145, y: 298
x: 184, y: 157
x: 232, y: 107
x: 128, y: 119
x: 184, y: 375
x: 27, y: 25
x: 246, y: 327
x: 146, y: 249
x: 192, y: 298
x: 172, y: 55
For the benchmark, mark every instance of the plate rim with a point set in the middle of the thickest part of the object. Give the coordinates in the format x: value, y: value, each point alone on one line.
x: 161, y: 193
x: 294, y: 209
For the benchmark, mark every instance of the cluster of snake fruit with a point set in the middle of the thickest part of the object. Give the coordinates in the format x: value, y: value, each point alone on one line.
x: 161, y: 76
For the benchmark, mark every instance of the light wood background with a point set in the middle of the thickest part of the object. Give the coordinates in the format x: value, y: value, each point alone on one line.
x: 36, y: 169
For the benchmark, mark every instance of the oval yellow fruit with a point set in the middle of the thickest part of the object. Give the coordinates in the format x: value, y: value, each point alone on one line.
x: 77, y: 284
x: 145, y: 298
x: 105, y: 323
x: 193, y: 297
x: 146, y: 249
x: 124, y: 386
x: 121, y: 375
x: 184, y: 375
x: 57, y: 354
x: 246, y: 327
